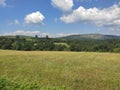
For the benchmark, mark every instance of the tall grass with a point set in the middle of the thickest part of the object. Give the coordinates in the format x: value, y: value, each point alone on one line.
x: 62, y: 70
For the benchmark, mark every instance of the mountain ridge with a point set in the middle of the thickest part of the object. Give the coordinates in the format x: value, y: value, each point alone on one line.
x: 75, y: 37
x: 90, y: 36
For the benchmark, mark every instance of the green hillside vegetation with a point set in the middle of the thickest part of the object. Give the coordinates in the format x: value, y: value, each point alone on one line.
x: 62, y: 43
x: 36, y: 70
x: 88, y: 43
x: 90, y: 36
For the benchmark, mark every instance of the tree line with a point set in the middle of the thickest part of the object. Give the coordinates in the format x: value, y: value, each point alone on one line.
x: 48, y: 44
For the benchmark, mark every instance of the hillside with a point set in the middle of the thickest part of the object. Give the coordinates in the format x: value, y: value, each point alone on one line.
x: 90, y: 36
x: 75, y: 37
x: 87, y: 42
x: 20, y: 36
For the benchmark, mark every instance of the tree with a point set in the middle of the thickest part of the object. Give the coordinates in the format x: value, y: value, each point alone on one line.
x: 47, y: 37
x: 36, y: 36
x: 17, y: 45
x: 117, y: 50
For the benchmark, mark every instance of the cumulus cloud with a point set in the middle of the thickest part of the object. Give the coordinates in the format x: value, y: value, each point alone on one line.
x: 27, y: 33
x: 100, y: 17
x: 2, y: 3
x: 64, y: 5
x: 40, y: 34
x: 34, y: 18
x: 21, y: 32
x: 65, y: 34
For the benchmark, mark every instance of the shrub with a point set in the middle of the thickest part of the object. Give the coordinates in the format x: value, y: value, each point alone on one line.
x: 10, y: 85
x: 117, y: 50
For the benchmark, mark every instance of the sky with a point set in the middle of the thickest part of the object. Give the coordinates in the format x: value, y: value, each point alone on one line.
x: 59, y: 17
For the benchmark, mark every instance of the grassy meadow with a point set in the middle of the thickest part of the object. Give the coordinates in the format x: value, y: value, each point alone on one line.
x: 36, y: 70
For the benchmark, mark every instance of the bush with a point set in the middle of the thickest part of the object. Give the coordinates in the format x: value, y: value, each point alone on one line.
x: 10, y: 85
x: 117, y: 50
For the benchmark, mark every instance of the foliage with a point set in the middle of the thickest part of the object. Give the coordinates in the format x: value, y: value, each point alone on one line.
x: 10, y: 85
x: 58, y: 44
x: 117, y: 50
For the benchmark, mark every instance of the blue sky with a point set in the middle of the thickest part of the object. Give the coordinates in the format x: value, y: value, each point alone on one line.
x: 59, y: 17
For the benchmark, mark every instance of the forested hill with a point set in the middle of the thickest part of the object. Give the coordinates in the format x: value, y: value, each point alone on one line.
x: 74, y: 37
x: 87, y: 42
x: 90, y: 36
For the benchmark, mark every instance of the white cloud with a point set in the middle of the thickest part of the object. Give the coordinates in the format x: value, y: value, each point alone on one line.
x: 64, y: 5
x: 40, y: 34
x: 34, y: 18
x: 2, y: 3
x: 65, y: 34
x: 27, y: 33
x: 100, y: 17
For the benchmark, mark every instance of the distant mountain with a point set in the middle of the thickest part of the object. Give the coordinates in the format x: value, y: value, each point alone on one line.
x: 74, y: 37
x: 90, y: 36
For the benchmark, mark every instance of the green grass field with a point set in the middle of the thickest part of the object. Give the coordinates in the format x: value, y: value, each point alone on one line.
x: 59, y: 70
